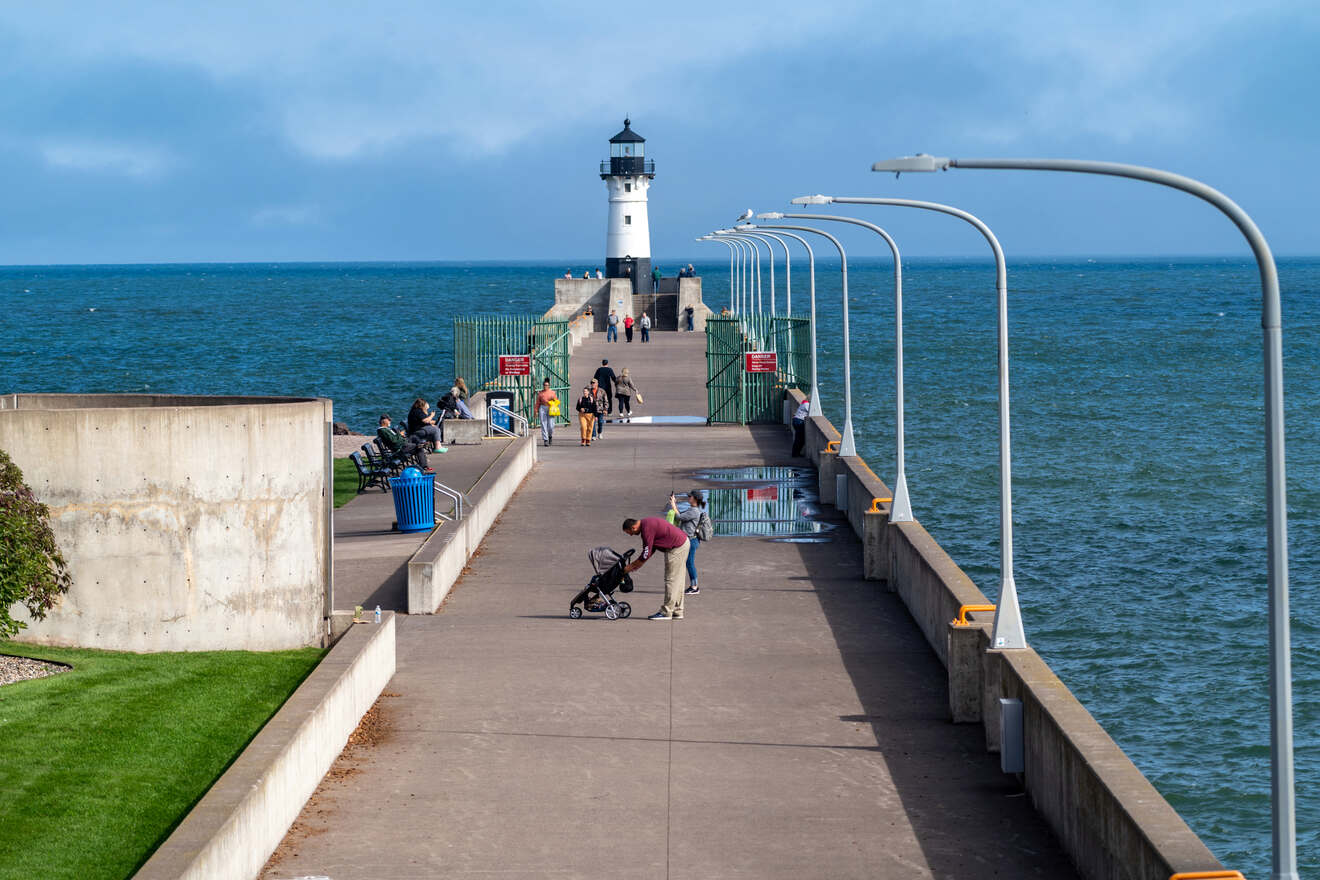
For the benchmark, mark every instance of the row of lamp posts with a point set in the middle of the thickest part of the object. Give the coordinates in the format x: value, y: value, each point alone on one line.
x: 1008, y: 632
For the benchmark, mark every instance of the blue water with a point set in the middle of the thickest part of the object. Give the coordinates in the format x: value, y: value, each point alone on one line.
x: 1137, y: 450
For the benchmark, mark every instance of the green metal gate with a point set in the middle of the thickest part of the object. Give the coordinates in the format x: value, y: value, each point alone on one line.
x: 479, y: 341
x: 737, y: 396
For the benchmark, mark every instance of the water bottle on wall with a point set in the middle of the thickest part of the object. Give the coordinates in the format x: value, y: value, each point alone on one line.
x: 378, y: 614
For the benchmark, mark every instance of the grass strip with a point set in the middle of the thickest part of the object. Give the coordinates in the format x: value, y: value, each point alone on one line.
x: 100, y: 763
x: 346, y: 481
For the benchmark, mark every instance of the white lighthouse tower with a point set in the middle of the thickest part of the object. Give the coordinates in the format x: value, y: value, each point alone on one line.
x: 627, y: 176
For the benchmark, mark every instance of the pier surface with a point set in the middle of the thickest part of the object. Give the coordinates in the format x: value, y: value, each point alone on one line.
x: 794, y: 724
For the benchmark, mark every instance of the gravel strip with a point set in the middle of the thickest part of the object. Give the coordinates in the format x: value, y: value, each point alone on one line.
x: 342, y: 444
x: 14, y: 669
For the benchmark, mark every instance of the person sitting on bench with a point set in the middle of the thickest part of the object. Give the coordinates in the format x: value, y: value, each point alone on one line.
x: 404, y: 447
x: 421, y: 425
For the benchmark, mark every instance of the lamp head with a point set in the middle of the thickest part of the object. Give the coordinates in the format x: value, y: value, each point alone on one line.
x: 745, y: 226
x: 919, y: 162
x: 770, y: 215
x: 723, y: 231
x: 813, y: 200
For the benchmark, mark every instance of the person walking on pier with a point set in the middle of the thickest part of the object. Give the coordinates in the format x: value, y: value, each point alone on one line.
x: 543, y: 400
x: 658, y: 534
x: 646, y: 327
x: 656, y: 275
x: 612, y: 327
x: 587, y: 406
x: 627, y: 327
x: 624, y: 391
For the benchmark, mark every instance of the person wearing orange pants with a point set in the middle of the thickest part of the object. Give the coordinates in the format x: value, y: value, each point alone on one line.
x: 588, y: 407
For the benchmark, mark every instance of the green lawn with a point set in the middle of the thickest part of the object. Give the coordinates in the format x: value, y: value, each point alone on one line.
x: 346, y: 481
x: 100, y: 763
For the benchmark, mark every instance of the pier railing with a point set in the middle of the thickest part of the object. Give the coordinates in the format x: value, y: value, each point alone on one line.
x: 480, y: 340
x: 733, y: 394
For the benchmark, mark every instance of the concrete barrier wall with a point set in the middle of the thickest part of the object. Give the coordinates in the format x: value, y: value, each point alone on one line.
x: 1110, y: 819
x: 189, y: 523
x: 233, y: 830
x: 437, y: 564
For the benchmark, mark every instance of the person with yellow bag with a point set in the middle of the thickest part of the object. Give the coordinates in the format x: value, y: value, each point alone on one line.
x: 547, y: 407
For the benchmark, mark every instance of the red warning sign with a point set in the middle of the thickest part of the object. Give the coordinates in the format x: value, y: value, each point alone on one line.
x: 515, y: 365
x: 761, y: 362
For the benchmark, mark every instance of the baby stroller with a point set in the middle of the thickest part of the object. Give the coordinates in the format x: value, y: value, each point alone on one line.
x: 598, y: 594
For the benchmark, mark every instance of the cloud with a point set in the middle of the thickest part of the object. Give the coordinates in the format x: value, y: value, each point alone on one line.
x: 286, y: 215
x: 107, y: 158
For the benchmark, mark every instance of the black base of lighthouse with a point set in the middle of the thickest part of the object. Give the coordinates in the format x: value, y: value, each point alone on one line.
x: 636, y: 268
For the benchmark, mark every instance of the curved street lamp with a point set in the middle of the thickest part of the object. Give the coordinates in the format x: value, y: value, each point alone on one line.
x: 755, y: 245
x: 1283, y: 808
x: 728, y: 245
x: 847, y: 446
x: 767, y: 237
x: 743, y: 267
x: 900, y: 508
x: 1007, y: 632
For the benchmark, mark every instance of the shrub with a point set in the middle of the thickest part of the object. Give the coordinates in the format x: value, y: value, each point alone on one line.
x: 32, y: 569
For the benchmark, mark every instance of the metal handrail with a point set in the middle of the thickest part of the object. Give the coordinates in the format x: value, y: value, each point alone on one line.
x: 454, y: 495
x: 492, y: 408
x: 965, y: 610
x: 1208, y: 875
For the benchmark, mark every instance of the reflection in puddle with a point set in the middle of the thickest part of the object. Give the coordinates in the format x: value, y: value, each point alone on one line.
x: 780, y: 503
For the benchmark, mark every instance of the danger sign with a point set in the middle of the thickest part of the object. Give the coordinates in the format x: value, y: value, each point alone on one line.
x: 761, y: 362
x: 515, y: 365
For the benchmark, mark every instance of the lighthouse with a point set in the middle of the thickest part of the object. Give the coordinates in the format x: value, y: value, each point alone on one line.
x: 627, y: 175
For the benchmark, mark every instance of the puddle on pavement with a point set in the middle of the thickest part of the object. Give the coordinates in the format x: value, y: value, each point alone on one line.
x: 659, y: 420
x: 779, y: 503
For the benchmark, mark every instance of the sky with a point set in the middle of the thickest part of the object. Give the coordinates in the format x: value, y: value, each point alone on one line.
x: 299, y: 131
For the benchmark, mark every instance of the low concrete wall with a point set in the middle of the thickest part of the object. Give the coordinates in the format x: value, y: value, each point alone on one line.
x: 438, y: 563
x: 1109, y: 818
x: 189, y: 523
x: 572, y: 295
x: 233, y: 830
x: 689, y: 294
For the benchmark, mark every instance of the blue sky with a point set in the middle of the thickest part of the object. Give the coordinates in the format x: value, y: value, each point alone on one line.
x: 420, y: 131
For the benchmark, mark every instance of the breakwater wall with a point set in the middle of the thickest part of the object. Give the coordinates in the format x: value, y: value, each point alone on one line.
x: 1110, y: 819
x: 188, y: 523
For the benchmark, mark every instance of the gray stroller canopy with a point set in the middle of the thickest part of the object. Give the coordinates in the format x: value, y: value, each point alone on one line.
x: 602, y: 558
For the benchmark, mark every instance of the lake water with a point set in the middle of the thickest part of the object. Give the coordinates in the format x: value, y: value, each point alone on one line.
x: 1138, y: 459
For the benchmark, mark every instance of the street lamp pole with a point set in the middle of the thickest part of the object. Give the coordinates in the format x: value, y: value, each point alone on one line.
x: 741, y: 248
x: 814, y: 398
x: 729, y: 245
x: 900, y: 508
x: 767, y: 237
x: 755, y: 245
x: 1007, y: 631
x: 847, y: 446
x: 1284, y: 819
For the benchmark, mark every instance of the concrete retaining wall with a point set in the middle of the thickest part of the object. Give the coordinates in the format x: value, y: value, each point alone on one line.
x: 233, y: 830
x: 189, y: 523
x: 438, y: 563
x: 1110, y: 819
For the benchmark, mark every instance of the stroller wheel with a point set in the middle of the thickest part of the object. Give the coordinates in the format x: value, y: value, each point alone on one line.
x: 575, y: 612
x: 612, y: 613
x: 625, y: 610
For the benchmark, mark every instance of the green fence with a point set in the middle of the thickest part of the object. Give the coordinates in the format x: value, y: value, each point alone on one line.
x: 735, y: 395
x: 480, y: 340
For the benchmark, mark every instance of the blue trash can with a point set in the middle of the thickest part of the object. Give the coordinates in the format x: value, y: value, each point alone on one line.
x: 504, y: 399
x: 414, y: 500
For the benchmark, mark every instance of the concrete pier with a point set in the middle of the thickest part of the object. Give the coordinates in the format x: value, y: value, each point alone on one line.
x: 795, y: 724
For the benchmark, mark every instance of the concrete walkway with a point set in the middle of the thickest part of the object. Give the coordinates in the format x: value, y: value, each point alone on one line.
x: 793, y: 725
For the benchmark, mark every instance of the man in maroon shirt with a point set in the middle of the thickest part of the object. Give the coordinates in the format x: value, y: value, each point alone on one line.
x: 658, y: 534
